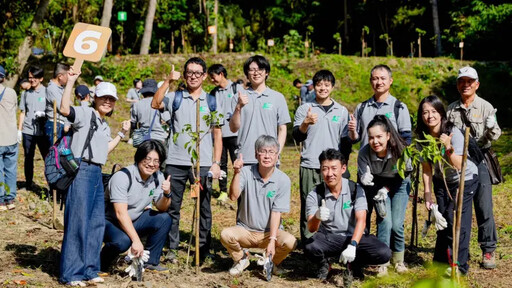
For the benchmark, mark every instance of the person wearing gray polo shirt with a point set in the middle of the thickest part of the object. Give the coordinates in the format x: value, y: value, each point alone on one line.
x: 319, y: 125
x: 262, y: 111
x: 478, y: 114
x: 432, y: 120
x: 336, y: 211
x: 129, y: 217
x: 179, y: 159
x: 381, y: 103
x: 54, y: 93
x: 32, y: 121
x: 84, y: 216
x: 224, y: 92
x: 263, y: 193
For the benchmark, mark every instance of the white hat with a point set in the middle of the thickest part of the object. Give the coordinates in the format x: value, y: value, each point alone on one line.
x: 309, y: 82
x: 468, y: 72
x: 106, y: 89
x: 98, y: 77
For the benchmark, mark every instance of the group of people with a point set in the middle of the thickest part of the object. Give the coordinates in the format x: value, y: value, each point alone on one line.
x: 144, y: 199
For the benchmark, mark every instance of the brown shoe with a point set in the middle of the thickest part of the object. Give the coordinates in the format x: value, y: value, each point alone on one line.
x: 489, y: 260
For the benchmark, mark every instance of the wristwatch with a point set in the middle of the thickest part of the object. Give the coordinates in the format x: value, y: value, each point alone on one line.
x: 216, y: 162
x: 121, y: 134
x: 353, y: 243
x: 167, y: 195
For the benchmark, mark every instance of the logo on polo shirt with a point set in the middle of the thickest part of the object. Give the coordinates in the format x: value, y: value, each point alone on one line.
x: 389, y: 115
x: 267, y: 105
x: 40, y: 99
x: 230, y: 95
x: 151, y: 192
x: 202, y: 109
x: 271, y: 194
x: 335, y: 118
x: 346, y: 204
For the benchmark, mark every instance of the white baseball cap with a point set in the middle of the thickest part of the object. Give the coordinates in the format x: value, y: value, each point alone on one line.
x: 468, y: 72
x: 106, y: 89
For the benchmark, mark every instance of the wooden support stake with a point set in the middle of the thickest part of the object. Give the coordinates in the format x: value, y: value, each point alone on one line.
x: 198, y: 178
x: 54, y: 192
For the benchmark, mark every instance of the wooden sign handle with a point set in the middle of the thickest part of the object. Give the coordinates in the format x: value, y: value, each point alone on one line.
x: 77, y: 66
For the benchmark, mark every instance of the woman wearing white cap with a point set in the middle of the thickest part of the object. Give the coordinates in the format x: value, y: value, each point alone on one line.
x: 84, y: 216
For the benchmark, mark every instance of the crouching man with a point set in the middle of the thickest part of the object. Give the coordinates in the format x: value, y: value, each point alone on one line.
x: 263, y: 193
x: 336, y: 211
x: 129, y: 216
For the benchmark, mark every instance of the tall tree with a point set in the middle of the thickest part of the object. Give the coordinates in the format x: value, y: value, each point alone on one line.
x: 107, y: 13
x: 25, y: 49
x: 216, y: 23
x: 437, y: 30
x: 148, y: 28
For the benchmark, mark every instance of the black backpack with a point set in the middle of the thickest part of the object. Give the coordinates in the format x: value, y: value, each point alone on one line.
x: 176, y: 103
x: 320, y: 192
x: 396, y: 109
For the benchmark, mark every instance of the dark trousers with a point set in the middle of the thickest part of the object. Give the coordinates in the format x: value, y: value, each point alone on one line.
x: 151, y: 223
x: 443, y: 249
x: 228, y: 145
x: 179, y: 177
x: 29, y: 148
x: 487, y: 236
x: 323, y: 245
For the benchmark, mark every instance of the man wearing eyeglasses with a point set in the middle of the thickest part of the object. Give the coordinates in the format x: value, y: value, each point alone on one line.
x: 262, y: 111
x: 263, y: 193
x: 178, y: 163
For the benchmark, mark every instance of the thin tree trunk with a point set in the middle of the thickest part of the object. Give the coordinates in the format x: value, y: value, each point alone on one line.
x: 345, y: 21
x: 107, y: 13
x: 25, y: 49
x: 216, y: 23
x: 148, y: 28
x: 437, y: 30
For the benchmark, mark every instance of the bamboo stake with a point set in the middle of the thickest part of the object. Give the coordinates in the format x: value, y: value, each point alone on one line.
x: 54, y: 192
x: 198, y: 179
x: 458, y: 212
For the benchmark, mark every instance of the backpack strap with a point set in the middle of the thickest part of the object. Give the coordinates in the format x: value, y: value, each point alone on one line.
x: 212, y: 102
x: 176, y: 103
x: 234, y: 88
x: 320, y: 192
x: 396, y: 110
x: 127, y: 172
x: 87, y: 144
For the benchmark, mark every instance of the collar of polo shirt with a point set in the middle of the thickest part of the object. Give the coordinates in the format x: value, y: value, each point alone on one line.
x: 387, y: 101
x: 374, y: 157
x: 256, y: 174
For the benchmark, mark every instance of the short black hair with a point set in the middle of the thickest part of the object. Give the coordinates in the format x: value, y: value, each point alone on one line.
x: 36, y: 71
x: 24, y: 80
x: 261, y: 61
x: 324, y: 75
x: 332, y: 154
x: 194, y: 60
x: 217, y: 69
x: 135, y: 81
x: 296, y: 81
x: 148, y: 146
x: 60, y: 68
x: 383, y: 67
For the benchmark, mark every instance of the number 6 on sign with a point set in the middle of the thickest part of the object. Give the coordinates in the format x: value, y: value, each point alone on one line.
x: 87, y: 43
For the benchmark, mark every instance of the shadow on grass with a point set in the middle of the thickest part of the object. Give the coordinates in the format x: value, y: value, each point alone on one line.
x: 28, y: 256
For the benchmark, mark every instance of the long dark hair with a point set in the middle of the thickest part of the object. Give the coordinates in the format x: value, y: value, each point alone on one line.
x: 421, y: 127
x: 395, y: 144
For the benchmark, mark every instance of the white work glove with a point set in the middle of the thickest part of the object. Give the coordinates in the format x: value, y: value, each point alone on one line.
x: 19, y: 136
x: 349, y: 254
x: 490, y: 121
x: 382, y: 194
x: 367, y: 178
x: 132, y: 269
x: 222, y: 174
x: 142, y: 259
x: 323, y: 212
x: 39, y: 114
x: 438, y: 218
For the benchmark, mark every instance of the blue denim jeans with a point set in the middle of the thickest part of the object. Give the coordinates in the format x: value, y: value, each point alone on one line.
x: 84, y: 225
x: 153, y: 224
x: 8, y: 171
x: 390, y: 229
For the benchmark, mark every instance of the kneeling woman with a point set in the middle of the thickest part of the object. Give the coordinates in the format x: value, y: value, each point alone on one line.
x: 432, y: 121
x: 377, y: 172
x: 84, y: 217
x: 132, y: 191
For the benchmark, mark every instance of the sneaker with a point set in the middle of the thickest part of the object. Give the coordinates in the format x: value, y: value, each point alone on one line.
x: 223, y: 197
x: 3, y: 207
x: 11, y: 205
x: 76, y: 284
x: 239, y: 266
x: 97, y: 280
x: 155, y: 268
x: 172, y: 256
x: 323, y: 272
x: 400, y: 267
x: 382, y: 271
x: 489, y: 260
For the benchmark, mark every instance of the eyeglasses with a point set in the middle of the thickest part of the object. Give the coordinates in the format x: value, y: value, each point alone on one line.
x: 256, y: 71
x: 148, y: 160
x: 196, y: 74
x: 267, y: 152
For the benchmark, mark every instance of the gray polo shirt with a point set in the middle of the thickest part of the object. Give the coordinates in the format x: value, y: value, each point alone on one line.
x: 342, y: 218
x: 142, y: 113
x: 325, y: 133
x: 140, y: 195
x: 30, y: 102
x: 54, y: 92
x: 224, y: 97
x: 100, y: 138
x: 261, y: 116
x: 133, y: 94
x: 476, y: 114
x: 387, y: 108
x: 258, y: 199
x: 384, y: 167
x: 186, y: 114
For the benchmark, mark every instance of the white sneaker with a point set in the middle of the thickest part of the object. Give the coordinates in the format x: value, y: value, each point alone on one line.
x: 401, y: 268
x: 77, y: 284
x: 239, y: 267
x: 382, y: 271
x: 97, y: 280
